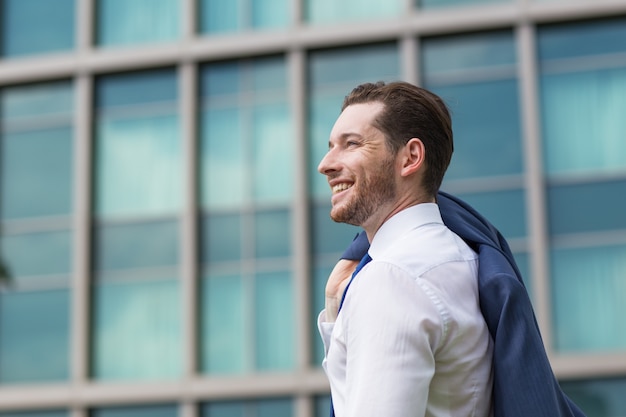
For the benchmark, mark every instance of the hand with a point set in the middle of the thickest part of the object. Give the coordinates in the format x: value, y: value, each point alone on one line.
x: 336, y: 285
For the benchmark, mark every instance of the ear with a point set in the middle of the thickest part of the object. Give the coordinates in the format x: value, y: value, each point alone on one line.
x: 413, y: 156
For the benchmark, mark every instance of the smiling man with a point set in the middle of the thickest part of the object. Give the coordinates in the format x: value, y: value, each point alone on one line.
x: 405, y: 337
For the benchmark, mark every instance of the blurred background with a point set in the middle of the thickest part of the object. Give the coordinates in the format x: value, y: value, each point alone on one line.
x: 164, y: 234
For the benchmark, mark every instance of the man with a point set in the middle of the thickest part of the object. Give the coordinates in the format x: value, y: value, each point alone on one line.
x: 410, y: 339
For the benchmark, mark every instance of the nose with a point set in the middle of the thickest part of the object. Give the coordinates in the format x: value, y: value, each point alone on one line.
x: 328, y: 163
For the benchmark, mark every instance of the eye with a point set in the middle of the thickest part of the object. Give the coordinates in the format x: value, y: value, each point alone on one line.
x: 352, y: 143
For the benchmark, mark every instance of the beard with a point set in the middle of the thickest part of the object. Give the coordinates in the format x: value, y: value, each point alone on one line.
x: 368, y: 195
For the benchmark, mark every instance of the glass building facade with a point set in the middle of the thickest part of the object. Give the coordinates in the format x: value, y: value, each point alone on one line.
x: 164, y: 233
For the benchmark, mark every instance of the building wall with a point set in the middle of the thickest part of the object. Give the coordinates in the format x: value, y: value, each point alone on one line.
x: 166, y: 233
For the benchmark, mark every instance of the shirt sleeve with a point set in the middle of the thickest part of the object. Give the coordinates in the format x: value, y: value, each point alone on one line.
x: 392, y: 329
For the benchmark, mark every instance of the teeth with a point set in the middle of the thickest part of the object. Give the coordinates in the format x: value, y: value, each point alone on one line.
x: 341, y: 187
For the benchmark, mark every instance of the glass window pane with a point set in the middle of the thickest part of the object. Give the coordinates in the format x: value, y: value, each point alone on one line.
x: 136, y: 245
x: 36, y: 139
x: 280, y: 407
x: 123, y: 22
x: 599, y: 397
x: 138, y: 155
x: 34, y: 414
x: 476, y: 76
x: 431, y: 4
x: 222, y: 158
x: 330, y: 11
x: 246, y: 139
x: 589, y: 298
x: 275, y: 408
x: 34, y: 331
x: 275, y: 334
x: 36, y: 169
x: 136, y: 411
x: 229, y: 16
x: 487, y: 129
x: 587, y: 207
x: 223, y: 241
x: 504, y: 209
x: 223, y: 409
x: 137, y: 330
x: 51, y: 102
x: 225, y: 343
x: 572, y: 40
x: 273, y: 153
x: 583, y: 76
x: 36, y: 256
x: 273, y: 234
x: 36, y: 26
x: 332, y: 75
x: 246, y: 134
x: 322, y: 406
x: 579, y: 106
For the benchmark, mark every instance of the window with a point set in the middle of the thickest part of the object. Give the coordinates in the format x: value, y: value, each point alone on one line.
x: 34, y: 414
x: 136, y: 411
x: 35, y: 223
x: 329, y: 11
x: 246, y: 189
x: 258, y: 408
x: 476, y: 75
x: 583, y: 75
x: 124, y: 22
x: 136, y: 315
x: 332, y: 75
x: 598, y: 398
x: 36, y: 26
x: 218, y: 16
x: 432, y: 4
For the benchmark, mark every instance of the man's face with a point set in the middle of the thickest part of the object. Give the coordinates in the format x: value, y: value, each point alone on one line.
x: 359, y: 166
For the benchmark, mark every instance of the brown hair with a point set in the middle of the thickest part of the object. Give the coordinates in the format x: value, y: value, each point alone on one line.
x: 411, y: 112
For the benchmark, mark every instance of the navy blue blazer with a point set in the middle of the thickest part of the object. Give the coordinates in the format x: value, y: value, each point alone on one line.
x: 524, y: 383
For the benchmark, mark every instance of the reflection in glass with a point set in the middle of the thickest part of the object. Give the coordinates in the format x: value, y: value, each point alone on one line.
x: 589, y: 298
x: 583, y: 76
x: 137, y: 330
x: 246, y: 188
x: 432, y: 4
x: 136, y: 314
x: 136, y: 411
x: 477, y: 78
x: 575, y: 208
x: 272, y: 407
x: 36, y: 26
x: 504, y: 209
x: 224, y: 318
x: 36, y: 168
x: 273, y: 234
x: 275, y: 344
x: 37, y: 254
x: 218, y: 16
x: 136, y: 245
x: 34, y: 330
x: 598, y: 397
x: 329, y: 11
x: 40, y: 413
x: 36, y: 138
x: 124, y: 22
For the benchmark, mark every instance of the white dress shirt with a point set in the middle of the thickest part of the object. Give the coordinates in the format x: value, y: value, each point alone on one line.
x: 410, y: 339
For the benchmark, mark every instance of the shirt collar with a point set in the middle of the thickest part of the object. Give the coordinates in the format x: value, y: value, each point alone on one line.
x: 401, y: 223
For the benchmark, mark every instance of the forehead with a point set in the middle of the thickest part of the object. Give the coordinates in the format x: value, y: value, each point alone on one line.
x: 356, y: 119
